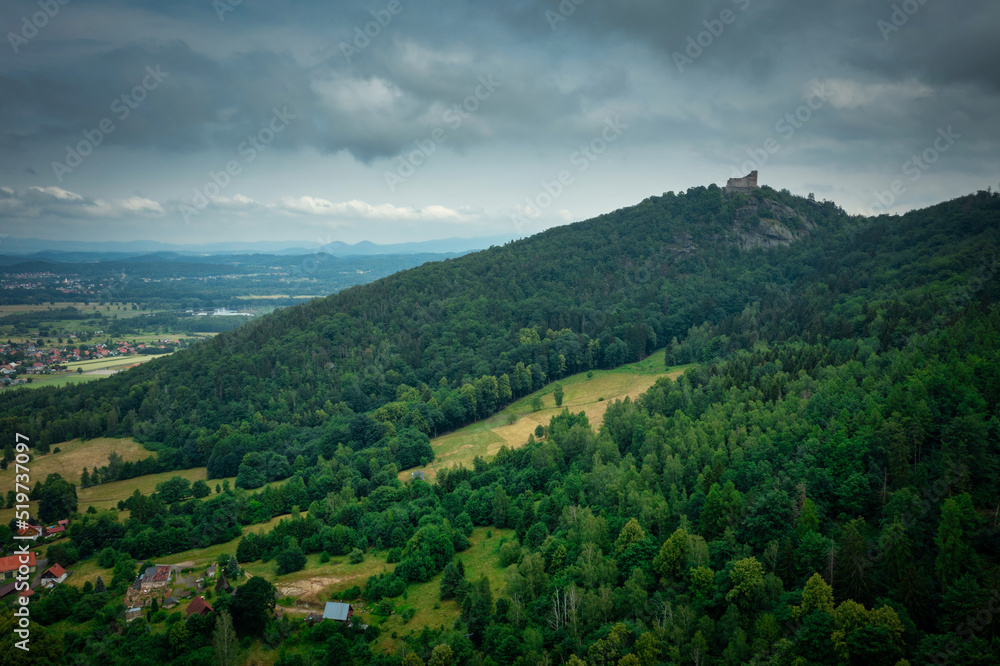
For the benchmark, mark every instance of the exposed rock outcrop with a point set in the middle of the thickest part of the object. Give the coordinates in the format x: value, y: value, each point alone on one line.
x: 767, y: 223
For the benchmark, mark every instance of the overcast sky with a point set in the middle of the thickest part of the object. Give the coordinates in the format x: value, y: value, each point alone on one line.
x: 198, y: 121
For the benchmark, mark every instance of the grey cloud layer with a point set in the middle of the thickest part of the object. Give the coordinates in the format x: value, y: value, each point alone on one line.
x: 887, y: 90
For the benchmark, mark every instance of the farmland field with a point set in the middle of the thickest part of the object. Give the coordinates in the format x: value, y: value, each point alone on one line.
x: 77, y: 454
x: 69, y: 462
x: 61, y: 379
x: 105, y: 363
x: 92, y: 369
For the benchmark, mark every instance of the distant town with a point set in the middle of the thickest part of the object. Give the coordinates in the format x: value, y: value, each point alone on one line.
x: 20, y: 361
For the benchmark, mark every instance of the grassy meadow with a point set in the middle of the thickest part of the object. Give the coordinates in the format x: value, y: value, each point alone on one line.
x: 590, y: 392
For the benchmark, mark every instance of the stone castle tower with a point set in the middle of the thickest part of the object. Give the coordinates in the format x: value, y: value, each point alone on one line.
x: 745, y: 184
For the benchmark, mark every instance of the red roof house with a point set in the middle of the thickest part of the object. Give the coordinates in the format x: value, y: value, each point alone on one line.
x: 30, y: 531
x: 199, y: 606
x: 54, y: 574
x: 10, y: 564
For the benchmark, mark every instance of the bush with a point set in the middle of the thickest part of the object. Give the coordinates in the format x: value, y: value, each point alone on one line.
x: 395, y: 554
x: 351, y: 593
x: 384, y: 608
x: 510, y: 553
x: 64, y: 554
x: 383, y: 585
x: 291, y: 559
x: 407, y: 613
x: 324, y: 557
x: 356, y: 556
x: 107, y: 558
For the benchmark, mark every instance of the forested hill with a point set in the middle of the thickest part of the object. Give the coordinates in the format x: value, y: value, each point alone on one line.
x: 432, y: 348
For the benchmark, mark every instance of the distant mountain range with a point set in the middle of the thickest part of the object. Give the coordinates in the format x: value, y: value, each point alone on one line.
x: 116, y: 250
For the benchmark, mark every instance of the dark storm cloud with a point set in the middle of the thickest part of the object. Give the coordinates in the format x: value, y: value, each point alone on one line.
x: 712, y: 79
x: 431, y: 55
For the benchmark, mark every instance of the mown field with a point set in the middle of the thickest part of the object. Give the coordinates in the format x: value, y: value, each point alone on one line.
x: 92, y: 369
x: 590, y: 392
x: 73, y: 456
x: 105, y: 363
x: 61, y: 379
x: 69, y: 462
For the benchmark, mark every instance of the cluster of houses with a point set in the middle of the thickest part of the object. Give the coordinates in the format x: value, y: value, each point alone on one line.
x: 34, y: 280
x: 155, y: 583
x: 10, y: 567
x: 20, y: 359
x: 36, y: 532
x: 163, y: 582
x: 71, y: 284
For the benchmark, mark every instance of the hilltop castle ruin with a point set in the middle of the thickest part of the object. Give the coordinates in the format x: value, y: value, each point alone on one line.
x: 746, y: 184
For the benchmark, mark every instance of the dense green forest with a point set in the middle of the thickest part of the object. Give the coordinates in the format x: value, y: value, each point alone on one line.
x: 820, y: 488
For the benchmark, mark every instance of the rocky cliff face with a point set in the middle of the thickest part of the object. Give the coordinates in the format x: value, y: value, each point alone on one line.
x: 767, y: 223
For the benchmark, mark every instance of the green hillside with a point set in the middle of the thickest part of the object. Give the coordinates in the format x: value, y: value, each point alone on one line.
x: 819, y: 486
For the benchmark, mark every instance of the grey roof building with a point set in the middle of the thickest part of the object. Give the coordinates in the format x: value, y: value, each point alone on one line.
x: 337, y: 611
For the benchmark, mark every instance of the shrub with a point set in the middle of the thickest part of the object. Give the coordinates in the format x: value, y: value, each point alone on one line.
x: 291, y: 559
x: 510, y: 553
x: 356, y: 556
x: 383, y: 585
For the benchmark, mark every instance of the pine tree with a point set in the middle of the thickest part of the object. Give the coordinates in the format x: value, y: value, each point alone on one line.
x: 954, y: 551
x: 99, y: 587
x: 232, y: 568
x: 453, y: 583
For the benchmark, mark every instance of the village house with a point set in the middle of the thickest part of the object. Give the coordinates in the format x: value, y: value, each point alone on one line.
x: 153, y: 578
x: 53, y: 575
x: 133, y: 613
x: 9, y: 565
x: 170, y: 602
x: 338, y: 612
x: 30, y: 532
x: 54, y: 531
x: 199, y: 606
